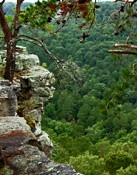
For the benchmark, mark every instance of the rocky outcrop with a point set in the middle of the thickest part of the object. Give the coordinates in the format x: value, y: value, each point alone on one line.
x: 24, y: 148
x: 21, y: 153
x: 33, y: 85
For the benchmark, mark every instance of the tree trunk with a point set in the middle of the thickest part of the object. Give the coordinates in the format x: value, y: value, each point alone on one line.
x: 10, y: 44
x: 10, y: 61
x: 10, y: 37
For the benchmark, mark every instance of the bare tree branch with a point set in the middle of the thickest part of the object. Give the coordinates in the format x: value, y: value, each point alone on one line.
x: 126, y: 46
x: 53, y: 57
x: 17, y: 24
x: 126, y: 1
x: 41, y: 44
x: 123, y: 52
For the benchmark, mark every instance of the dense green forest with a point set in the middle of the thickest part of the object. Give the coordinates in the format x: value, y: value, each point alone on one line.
x: 92, y: 120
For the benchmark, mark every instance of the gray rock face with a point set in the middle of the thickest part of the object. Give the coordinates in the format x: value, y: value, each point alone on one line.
x: 24, y: 61
x: 36, y: 83
x: 21, y: 152
x: 14, y: 132
x: 8, y: 100
x: 8, y: 124
x: 29, y: 160
x: 24, y: 148
x: 40, y: 81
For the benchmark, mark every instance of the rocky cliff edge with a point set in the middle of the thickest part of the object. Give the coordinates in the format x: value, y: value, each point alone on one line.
x: 24, y: 148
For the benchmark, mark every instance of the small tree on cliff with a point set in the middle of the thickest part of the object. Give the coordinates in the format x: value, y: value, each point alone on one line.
x: 43, y: 13
x: 10, y: 38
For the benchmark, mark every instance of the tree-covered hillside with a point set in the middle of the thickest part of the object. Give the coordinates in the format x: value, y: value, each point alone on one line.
x: 93, y: 123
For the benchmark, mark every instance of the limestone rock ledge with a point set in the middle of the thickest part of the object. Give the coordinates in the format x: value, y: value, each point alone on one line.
x: 24, y: 148
x: 31, y: 88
